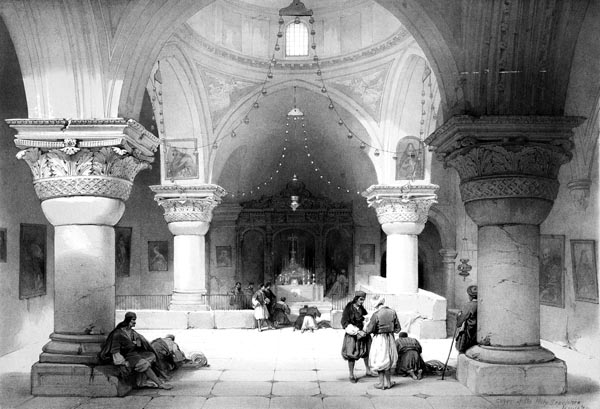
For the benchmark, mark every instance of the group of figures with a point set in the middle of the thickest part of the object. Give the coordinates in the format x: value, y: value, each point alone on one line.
x: 140, y: 363
x: 374, y: 341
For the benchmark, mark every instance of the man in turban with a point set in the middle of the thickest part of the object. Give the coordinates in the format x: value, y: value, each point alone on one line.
x: 383, y: 355
x: 467, y: 322
x: 356, y: 341
x: 133, y: 355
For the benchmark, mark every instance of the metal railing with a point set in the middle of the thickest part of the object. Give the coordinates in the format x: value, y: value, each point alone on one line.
x: 143, y: 302
x: 161, y: 302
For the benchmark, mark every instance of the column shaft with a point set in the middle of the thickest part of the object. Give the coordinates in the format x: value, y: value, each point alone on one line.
x: 84, y: 294
x: 509, y: 288
x: 189, y: 275
x: 402, y: 263
x: 449, y: 271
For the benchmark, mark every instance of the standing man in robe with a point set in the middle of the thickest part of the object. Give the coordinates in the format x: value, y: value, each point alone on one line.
x: 467, y: 322
x: 383, y: 354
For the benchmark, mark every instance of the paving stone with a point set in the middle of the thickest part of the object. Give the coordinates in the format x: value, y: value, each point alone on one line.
x: 127, y: 402
x: 254, y: 402
x: 176, y: 402
x: 297, y: 376
x: 246, y: 375
x: 395, y: 402
x: 51, y: 402
x: 356, y: 402
x: 242, y: 388
x: 296, y: 402
x: 295, y: 388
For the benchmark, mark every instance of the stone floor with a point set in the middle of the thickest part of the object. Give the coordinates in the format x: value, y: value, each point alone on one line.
x: 286, y: 369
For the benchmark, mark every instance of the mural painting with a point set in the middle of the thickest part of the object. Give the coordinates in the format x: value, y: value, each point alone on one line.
x: 585, y: 275
x: 158, y: 256
x: 552, y: 263
x: 122, y: 251
x: 32, y: 260
x: 181, y: 159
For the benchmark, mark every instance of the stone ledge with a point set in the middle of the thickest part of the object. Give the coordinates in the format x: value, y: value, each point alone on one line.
x: 482, y: 378
x: 224, y: 319
x: 76, y: 380
x: 201, y: 319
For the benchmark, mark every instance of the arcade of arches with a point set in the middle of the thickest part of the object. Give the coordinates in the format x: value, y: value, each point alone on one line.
x: 150, y: 147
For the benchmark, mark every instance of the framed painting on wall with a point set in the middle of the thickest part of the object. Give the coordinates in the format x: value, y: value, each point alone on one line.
x: 158, y: 256
x: 32, y: 260
x: 223, y: 256
x: 181, y: 159
x: 366, y: 254
x: 409, y: 163
x: 585, y: 275
x: 552, y: 267
x: 3, y: 245
x: 122, y: 251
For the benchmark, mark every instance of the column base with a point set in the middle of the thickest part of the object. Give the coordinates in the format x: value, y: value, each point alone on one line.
x: 72, y: 349
x: 188, y: 301
x: 49, y: 379
x: 482, y: 378
x: 188, y: 307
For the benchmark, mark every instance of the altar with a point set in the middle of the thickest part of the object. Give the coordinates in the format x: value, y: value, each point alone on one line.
x: 296, y: 292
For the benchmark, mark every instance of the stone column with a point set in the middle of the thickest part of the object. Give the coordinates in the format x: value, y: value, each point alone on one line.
x: 448, y: 257
x: 188, y: 212
x: 508, y: 168
x: 402, y: 212
x: 83, y: 172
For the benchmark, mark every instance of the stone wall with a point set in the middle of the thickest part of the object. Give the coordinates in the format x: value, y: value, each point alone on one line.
x: 577, y: 324
x: 30, y: 320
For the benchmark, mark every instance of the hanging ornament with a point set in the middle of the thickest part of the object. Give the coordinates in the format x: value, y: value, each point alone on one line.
x: 233, y: 134
x: 376, y: 152
x: 270, y: 75
x: 324, y: 90
x: 277, y: 47
x: 340, y: 122
x: 215, y: 146
x: 311, y: 20
x: 279, y: 34
x: 331, y: 105
x: 246, y: 120
x: 363, y: 145
x: 297, y: 20
x: 264, y: 91
x: 255, y: 105
x: 319, y: 73
x: 463, y: 268
x: 350, y: 135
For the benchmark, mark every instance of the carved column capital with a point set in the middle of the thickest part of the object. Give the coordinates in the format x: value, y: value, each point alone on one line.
x: 512, y: 160
x: 448, y: 255
x: 98, y: 157
x: 580, y: 192
x: 188, y: 203
x: 408, y: 203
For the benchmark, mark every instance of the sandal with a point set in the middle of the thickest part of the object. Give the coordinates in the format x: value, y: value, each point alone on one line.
x: 353, y: 379
x: 379, y: 386
x: 390, y: 385
x: 166, y: 386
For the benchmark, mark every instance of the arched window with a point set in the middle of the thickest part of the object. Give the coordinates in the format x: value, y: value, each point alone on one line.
x: 296, y: 40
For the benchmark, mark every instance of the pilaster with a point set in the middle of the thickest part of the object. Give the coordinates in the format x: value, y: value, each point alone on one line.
x: 508, y: 168
x: 402, y: 212
x: 188, y: 212
x: 448, y: 264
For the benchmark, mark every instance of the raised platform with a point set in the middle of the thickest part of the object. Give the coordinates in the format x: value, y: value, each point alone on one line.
x: 549, y: 378
x: 76, y: 380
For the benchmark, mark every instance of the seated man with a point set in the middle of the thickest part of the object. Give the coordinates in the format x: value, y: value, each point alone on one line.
x: 310, y: 319
x: 133, y: 355
x: 410, y: 363
x: 280, y: 313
